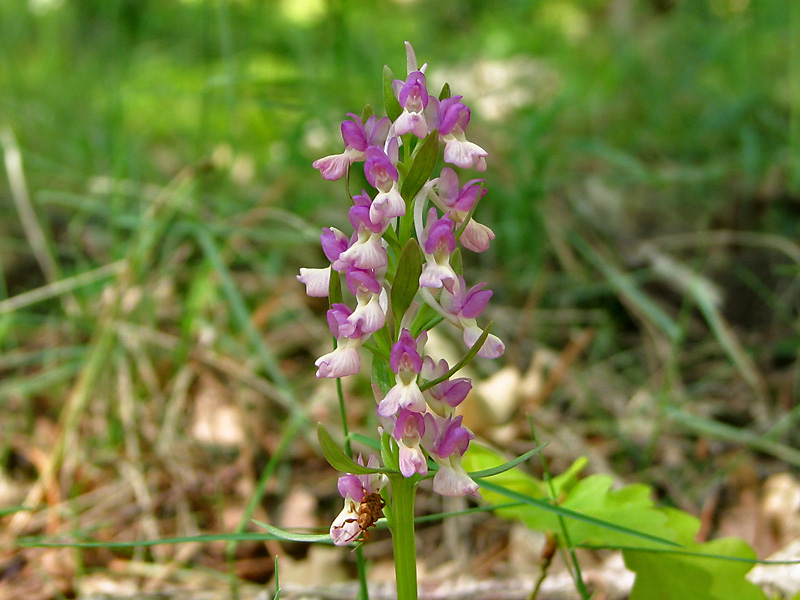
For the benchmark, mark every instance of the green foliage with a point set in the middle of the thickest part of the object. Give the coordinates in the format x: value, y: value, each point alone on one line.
x: 669, y: 564
x: 338, y: 459
x: 425, y: 156
x: 707, y: 571
x: 406, y: 280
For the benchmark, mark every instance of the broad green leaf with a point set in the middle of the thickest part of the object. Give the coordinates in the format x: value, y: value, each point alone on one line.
x: 425, y: 158
x: 700, y: 577
x: 393, y: 108
x: 338, y: 459
x: 631, y: 506
x: 294, y: 537
x: 406, y: 280
x: 445, y: 93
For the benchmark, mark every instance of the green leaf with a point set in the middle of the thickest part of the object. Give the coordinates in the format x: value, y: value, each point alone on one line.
x: 445, y: 93
x: 457, y: 262
x: 701, y: 577
x: 366, y: 441
x: 393, y: 108
x: 462, y: 363
x: 10, y: 510
x: 338, y: 459
x: 537, y: 507
x: 491, y: 471
x: 406, y: 280
x: 335, y: 289
x: 294, y: 537
x: 367, y: 113
x: 382, y: 374
x: 425, y: 157
x: 425, y: 320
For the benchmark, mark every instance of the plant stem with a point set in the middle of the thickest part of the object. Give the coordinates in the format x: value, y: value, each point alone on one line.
x: 402, y: 527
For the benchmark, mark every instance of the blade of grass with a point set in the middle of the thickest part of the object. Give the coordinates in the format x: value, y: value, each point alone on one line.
x: 728, y: 340
x: 626, y: 287
x: 571, y: 514
x: 241, y: 318
x: 27, y: 216
x: 61, y: 287
x: 730, y: 433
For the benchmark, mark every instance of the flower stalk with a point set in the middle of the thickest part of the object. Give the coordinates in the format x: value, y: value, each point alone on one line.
x: 402, y: 528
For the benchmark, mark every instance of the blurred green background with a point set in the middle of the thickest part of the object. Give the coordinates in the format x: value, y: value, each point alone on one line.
x: 644, y: 186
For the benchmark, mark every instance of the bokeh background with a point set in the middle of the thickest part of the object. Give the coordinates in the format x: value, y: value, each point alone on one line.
x: 157, y: 199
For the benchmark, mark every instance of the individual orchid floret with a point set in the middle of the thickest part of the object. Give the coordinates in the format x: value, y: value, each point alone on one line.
x: 460, y: 306
x: 354, y: 489
x: 459, y: 202
x: 451, y: 120
x: 438, y: 243
x: 406, y: 363
x: 380, y: 169
x: 445, y: 396
x: 408, y: 431
x: 366, y: 251
x: 369, y: 315
x: 463, y: 306
x: 446, y: 440
x: 361, y: 217
x: 357, y: 136
x: 412, y: 94
x: 345, y: 359
x: 382, y: 174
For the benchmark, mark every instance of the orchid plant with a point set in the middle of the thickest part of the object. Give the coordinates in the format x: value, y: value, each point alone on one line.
x: 402, y: 268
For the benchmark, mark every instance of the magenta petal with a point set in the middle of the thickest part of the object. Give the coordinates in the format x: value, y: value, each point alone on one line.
x: 475, y: 301
x: 353, y: 133
x: 350, y: 485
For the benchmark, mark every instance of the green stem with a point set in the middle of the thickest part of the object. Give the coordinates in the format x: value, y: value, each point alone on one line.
x: 402, y: 527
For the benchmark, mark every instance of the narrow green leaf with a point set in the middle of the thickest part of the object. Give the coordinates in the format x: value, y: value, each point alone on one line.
x: 406, y: 280
x: 366, y: 441
x: 393, y: 108
x: 425, y: 319
x: 424, y: 161
x: 13, y: 509
x: 335, y: 289
x: 627, y: 288
x: 38, y: 542
x: 294, y: 537
x: 571, y: 514
x: 457, y: 262
x: 506, y: 466
x: 338, y: 459
x: 462, y: 363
